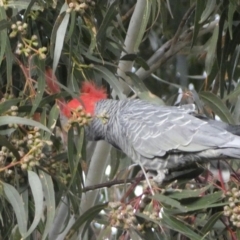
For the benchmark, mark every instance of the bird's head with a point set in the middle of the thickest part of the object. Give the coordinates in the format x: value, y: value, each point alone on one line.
x: 90, y: 95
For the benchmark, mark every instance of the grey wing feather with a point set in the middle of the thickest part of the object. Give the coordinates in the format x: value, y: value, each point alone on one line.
x: 154, y: 131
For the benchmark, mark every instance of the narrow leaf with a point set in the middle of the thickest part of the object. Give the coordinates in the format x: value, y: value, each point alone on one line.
x: 89, y: 214
x: 211, y: 222
x: 49, y: 196
x: 111, y: 79
x: 169, y: 201
x: 110, y: 14
x: 198, y: 12
x: 211, y: 53
x: 211, y: 4
x: 204, y: 202
x: 4, y: 142
x: 60, y: 37
x: 18, y: 206
x: 3, y: 35
x: 217, y: 105
x: 6, y: 105
x: 5, y: 120
x: 187, y: 193
x: 37, y: 193
x: 180, y: 226
x: 41, y: 84
x: 138, y: 84
x: 231, y: 10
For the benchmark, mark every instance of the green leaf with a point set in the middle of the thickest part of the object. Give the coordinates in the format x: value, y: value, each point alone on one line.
x: 184, y: 193
x: 238, y: 234
x: 49, y: 196
x: 204, y: 202
x: 28, y: 9
x: 198, y: 12
x: 217, y: 105
x: 6, y: 105
x: 211, y: 222
x: 25, y: 198
x: 9, y: 58
x: 111, y: 79
x: 143, y: 24
x: 87, y: 216
x: 62, y: 22
x: 52, y: 120
x: 211, y: 52
x: 41, y: 84
x: 141, y: 62
x: 5, y: 120
x: 4, y: 24
x: 23, y: 5
x: 169, y: 201
x: 4, y: 142
x: 210, y: 6
x: 18, y: 206
x: 138, y: 84
x: 72, y: 26
x: 3, y: 35
x: 129, y: 57
x: 37, y: 193
x: 110, y: 15
x: 148, y: 96
x: 231, y: 10
x: 180, y: 226
x: 15, y: 234
x: 53, y: 97
x: 71, y: 148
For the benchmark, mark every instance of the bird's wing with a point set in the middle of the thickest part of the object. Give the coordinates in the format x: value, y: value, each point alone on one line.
x: 152, y: 131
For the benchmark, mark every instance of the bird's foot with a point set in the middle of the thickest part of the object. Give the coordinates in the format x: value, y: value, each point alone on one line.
x: 158, y: 176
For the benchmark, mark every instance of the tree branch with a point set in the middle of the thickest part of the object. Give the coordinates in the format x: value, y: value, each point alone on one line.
x: 182, y: 23
x: 130, y: 42
x: 168, y: 50
x: 113, y: 183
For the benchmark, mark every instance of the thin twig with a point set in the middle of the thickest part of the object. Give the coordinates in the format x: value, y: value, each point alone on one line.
x: 182, y: 24
x: 112, y: 183
x: 164, y: 53
x: 128, y: 13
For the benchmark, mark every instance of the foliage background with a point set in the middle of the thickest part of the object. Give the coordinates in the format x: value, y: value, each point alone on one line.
x: 164, y: 51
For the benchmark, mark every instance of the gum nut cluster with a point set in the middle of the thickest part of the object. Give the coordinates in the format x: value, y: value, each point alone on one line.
x: 54, y: 167
x: 12, y: 111
x: 232, y: 210
x: 80, y: 6
x: 80, y: 117
x: 30, y: 150
x: 18, y: 27
x: 27, y: 48
x: 123, y: 216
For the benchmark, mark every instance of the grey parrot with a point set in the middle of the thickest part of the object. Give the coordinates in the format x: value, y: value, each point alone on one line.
x: 160, y: 138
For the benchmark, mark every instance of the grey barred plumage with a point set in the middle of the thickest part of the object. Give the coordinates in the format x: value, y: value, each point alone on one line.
x: 162, y: 137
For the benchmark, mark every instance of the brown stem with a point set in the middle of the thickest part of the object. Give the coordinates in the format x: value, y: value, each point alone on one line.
x: 112, y: 183
x: 128, y: 13
x: 182, y: 23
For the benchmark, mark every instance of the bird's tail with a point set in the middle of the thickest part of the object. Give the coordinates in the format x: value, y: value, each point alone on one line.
x: 234, y: 129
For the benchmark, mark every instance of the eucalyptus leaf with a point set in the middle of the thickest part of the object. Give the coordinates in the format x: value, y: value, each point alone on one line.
x: 5, y: 120
x: 111, y: 79
x: 15, y: 200
x: 60, y: 29
x: 3, y: 36
x: 37, y: 193
x: 217, y: 105
x: 48, y: 190
x: 181, y: 227
x: 89, y: 214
